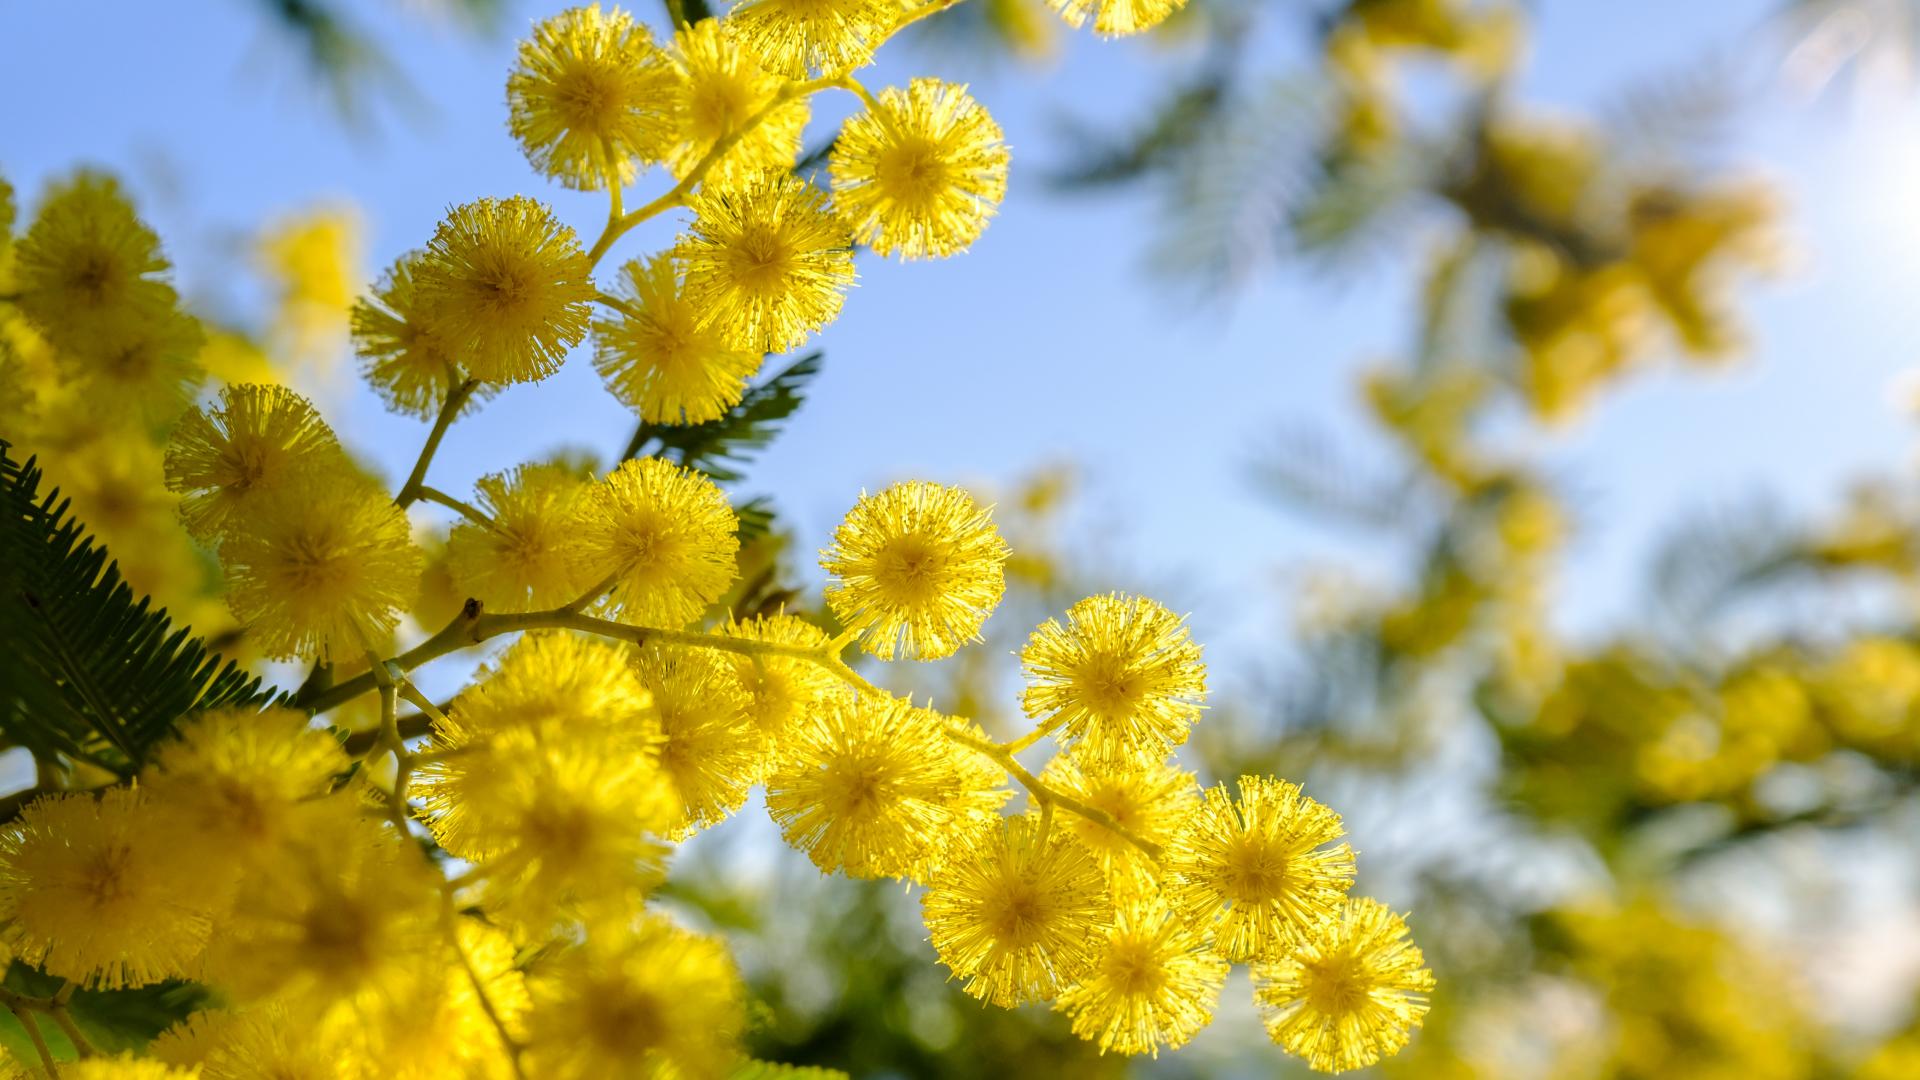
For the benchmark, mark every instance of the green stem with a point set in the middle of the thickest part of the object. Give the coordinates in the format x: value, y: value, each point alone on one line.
x: 1047, y: 796
x: 467, y: 510
x: 39, y: 1041
x: 457, y: 396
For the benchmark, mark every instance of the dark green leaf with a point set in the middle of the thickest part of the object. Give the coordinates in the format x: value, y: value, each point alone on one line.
x: 720, y: 448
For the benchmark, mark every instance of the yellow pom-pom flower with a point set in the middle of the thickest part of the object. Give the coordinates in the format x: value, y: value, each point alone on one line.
x: 313, y: 260
x: 780, y: 689
x: 340, y: 923
x: 439, y: 1026
x: 124, y: 1067
x: 920, y: 175
x: 588, y: 97
x: 1121, y: 680
x: 97, y: 890
x: 1264, y: 860
x: 917, y: 569
x: 870, y: 785
x: 322, y: 569
x: 1117, y: 18
x: 88, y: 268
x: 718, y: 88
x: 507, y: 288
x: 265, y: 1041
x: 1348, y: 995
x: 665, y: 534
x: 793, y: 37
x: 240, y: 780
x: 655, y: 1001
x: 712, y: 752
x: 1149, y: 800
x: 223, y: 462
x: 403, y: 354
x: 523, y: 561
x: 144, y: 374
x: 660, y: 359
x: 1154, y: 983
x: 1017, y: 912
x: 765, y: 260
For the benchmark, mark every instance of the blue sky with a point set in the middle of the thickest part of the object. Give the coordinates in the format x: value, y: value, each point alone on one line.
x: 1050, y: 341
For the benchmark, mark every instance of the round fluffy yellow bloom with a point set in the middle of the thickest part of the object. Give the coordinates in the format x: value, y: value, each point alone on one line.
x: 506, y: 288
x: 1150, y: 800
x: 713, y: 753
x: 793, y: 37
x: 124, y: 1067
x: 146, y: 373
x: 260, y: 1042
x: 667, y: 536
x: 404, y: 355
x: 922, y: 176
x: 780, y: 689
x: 440, y: 1028
x: 257, y: 440
x: 523, y: 562
x: 313, y: 259
x: 765, y: 260
x: 322, y: 568
x: 549, y: 691
x: 1017, y: 912
x: 1348, y: 995
x: 1154, y: 984
x: 659, y: 359
x: 718, y: 87
x: 588, y: 97
x: 1117, y: 18
x: 655, y: 1001
x: 1122, y: 680
x: 88, y: 268
x: 870, y: 785
x: 917, y: 569
x: 1264, y: 861
x: 95, y: 890
x: 340, y: 923
x: 241, y: 780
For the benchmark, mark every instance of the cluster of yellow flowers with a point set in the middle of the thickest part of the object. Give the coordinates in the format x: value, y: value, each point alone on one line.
x: 463, y: 890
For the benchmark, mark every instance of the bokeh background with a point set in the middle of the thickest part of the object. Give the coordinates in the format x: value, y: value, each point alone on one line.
x: 1197, y: 355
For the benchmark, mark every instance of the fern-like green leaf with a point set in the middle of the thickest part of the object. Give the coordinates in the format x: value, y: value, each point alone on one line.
x: 721, y: 447
x: 87, y: 669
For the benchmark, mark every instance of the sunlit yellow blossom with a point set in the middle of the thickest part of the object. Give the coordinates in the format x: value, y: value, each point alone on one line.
x: 665, y: 533
x: 238, y: 779
x: 658, y: 358
x: 146, y: 372
x: 793, y: 37
x: 712, y: 752
x: 1154, y: 984
x: 588, y: 97
x: 780, y: 689
x: 313, y: 260
x: 1260, y: 865
x: 522, y: 561
x: 404, y: 356
x: 652, y: 1002
x: 88, y: 270
x: 1149, y: 800
x: 1121, y: 680
x: 869, y: 785
x: 765, y: 260
x: 341, y: 921
x: 550, y: 691
x: 917, y: 569
x: 1117, y: 17
x: 439, y: 1027
x: 260, y: 1042
x: 1350, y: 993
x: 923, y: 175
x: 94, y: 890
x: 223, y: 462
x: 1019, y: 918
x: 322, y: 568
x: 506, y: 289
x: 718, y: 88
